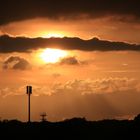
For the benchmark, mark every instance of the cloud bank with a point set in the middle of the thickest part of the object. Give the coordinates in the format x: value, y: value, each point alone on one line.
x: 99, y: 86
x: 11, y: 11
x: 23, y: 44
x: 69, y: 61
x: 93, y: 99
x: 16, y: 63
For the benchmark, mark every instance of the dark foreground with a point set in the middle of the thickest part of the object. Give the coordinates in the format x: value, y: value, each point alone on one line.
x: 76, y: 128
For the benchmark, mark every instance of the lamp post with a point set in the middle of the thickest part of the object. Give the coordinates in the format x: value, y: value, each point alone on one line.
x: 29, y: 92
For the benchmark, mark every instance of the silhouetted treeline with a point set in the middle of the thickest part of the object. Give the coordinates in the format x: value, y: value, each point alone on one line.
x: 76, y: 128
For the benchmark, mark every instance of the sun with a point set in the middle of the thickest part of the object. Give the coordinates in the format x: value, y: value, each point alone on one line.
x: 52, y: 34
x: 52, y: 55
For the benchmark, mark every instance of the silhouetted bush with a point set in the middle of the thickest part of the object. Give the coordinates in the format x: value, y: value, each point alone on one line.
x: 137, y: 118
x: 75, y: 128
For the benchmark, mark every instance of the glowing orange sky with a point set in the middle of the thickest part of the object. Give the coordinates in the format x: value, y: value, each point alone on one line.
x: 93, y: 84
x: 59, y: 86
x: 104, y: 28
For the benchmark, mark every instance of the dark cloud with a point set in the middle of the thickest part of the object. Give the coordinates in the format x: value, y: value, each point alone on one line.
x: 69, y: 61
x: 17, y: 63
x: 55, y: 9
x: 22, y: 44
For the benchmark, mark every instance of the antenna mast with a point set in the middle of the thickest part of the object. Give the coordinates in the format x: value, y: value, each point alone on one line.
x: 29, y: 92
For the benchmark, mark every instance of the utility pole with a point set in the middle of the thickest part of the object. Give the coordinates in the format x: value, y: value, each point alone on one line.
x: 29, y: 92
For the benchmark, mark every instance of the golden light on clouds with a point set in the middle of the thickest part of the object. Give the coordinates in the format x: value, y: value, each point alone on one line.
x: 52, y: 55
x: 52, y: 34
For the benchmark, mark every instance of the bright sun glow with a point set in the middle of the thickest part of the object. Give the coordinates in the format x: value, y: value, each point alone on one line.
x: 52, y: 55
x: 52, y: 34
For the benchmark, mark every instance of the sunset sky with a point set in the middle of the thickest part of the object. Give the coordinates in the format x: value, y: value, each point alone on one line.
x: 82, y: 58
